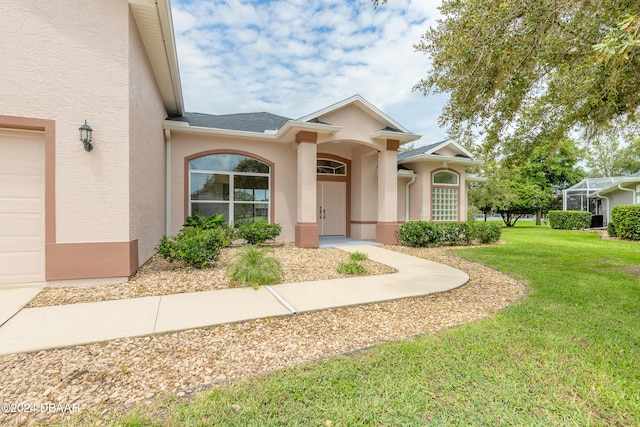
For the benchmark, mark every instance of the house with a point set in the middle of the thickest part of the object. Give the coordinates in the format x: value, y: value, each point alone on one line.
x: 71, y: 213
x: 600, y: 195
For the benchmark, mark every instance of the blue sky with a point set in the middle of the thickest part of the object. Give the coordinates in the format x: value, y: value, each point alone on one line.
x: 293, y: 57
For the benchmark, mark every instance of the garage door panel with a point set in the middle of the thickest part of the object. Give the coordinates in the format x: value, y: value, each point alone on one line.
x: 21, y: 187
x: 22, y: 201
x: 21, y: 225
x: 21, y: 267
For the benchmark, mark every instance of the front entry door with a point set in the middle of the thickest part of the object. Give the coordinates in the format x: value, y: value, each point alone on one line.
x: 332, y: 208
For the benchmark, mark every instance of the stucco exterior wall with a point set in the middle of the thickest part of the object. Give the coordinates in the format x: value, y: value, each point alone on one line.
x: 283, y: 156
x: 66, y: 61
x: 147, y: 150
x: 356, y: 126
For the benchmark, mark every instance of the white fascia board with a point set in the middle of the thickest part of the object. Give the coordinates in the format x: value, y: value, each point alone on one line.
x: 469, y: 177
x: 266, y: 135
x: 457, y: 146
x: 166, y: 23
x: 442, y: 159
x: 356, y: 100
x: 406, y: 173
x: 402, y: 137
x: 312, y: 127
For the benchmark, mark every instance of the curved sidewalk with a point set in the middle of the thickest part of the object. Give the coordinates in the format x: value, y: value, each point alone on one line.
x: 33, y: 329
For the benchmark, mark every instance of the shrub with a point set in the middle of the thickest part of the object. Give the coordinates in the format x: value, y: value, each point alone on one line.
x: 487, y: 232
x: 611, y: 229
x: 256, y: 233
x: 456, y: 233
x: 419, y: 234
x: 351, y: 267
x: 627, y: 221
x: 198, y: 220
x: 251, y: 266
x: 358, y: 256
x: 195, y: 246
x: 569, y: 220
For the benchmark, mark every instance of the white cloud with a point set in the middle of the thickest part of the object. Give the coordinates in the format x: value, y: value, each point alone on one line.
x: 293, y: 57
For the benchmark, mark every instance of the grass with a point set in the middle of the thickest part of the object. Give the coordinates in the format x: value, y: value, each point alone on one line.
x: 566, y: 354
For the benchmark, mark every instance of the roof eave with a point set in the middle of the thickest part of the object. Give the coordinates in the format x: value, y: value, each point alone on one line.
x: 400, y: 136
x: 280, y: 134
x: 442, y: 159
x: 155, y: 25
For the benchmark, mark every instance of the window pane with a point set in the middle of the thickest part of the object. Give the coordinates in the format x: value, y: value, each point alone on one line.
x: 250, y: 212
x: 444, y: 204
x: 331, y: 167
x: 209, y: 209
x: 251, y: 188
x: 208, y: 186
x: 445, y: 177
x: 228, y: 163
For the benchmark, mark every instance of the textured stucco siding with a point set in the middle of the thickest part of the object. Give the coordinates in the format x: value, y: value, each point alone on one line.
x: 66, y: 61
x: 283, y: 156
x: 147, y: 150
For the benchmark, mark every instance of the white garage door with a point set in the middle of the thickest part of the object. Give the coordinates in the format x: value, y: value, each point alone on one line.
x: 21, y: 207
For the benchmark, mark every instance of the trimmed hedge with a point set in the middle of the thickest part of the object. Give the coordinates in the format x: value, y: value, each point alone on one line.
x: 256, y: 233
x: 611, y: 230
x: 487, y: 232
x: 423, y: 234
x: 569, y: 220
x: 626, y: 220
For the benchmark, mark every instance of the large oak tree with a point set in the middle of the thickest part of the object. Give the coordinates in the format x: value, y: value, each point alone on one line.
x: 520, y: 70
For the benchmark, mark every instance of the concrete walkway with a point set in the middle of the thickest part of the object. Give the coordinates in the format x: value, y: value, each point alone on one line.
x: 35, y: 329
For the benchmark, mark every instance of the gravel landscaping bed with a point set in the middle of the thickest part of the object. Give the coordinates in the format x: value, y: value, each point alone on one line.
x: 159, y: 277
x: 111, y: 375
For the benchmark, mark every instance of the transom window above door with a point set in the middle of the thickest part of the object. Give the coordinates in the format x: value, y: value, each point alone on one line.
x: 331, y: 167
x: 236, y: 186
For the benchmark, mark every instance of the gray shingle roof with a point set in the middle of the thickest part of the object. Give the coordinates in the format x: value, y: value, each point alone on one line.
x: 250, y: 122
x: 418, y: 151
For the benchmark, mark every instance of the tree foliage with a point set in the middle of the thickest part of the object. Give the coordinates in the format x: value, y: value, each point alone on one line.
x: 529, y: 71
x: 607, y: 156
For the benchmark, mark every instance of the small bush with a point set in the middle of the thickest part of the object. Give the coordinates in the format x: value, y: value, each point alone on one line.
x: 487, y: 232
x: 627, y: 221
x: 198, y: 220
x: 569, y: 220
x: 252, y: 267
x: 611, y: 229
x: 256, y: 233
x: 351, y: 267
x: 456, y: 233
x: 419, y: 234
x: 197, y: 247
x: 358, y: 256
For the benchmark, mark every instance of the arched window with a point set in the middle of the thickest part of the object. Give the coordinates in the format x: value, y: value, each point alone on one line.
x: 331, y: 167
x: 445, y: 196
x: 234, y: 185
x: 445, y: 178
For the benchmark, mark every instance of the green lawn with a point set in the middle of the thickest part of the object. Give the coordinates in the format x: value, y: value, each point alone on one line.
x: 568, y: 353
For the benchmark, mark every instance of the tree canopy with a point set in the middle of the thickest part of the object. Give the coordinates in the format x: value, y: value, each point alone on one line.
x: 529, y: 71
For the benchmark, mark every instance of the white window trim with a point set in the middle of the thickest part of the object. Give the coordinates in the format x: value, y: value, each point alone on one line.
x: 332, y: 160
x: 231, y: 202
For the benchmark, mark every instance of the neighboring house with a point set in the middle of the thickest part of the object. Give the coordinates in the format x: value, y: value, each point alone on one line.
x: 67, y: 213
x: 600, y: 195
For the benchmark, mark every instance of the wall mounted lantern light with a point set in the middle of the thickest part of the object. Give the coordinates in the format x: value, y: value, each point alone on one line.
x: 85, y: 136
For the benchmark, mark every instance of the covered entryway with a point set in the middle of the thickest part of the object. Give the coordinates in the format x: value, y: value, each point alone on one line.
x: 332, y: 208
x: 22, y: 206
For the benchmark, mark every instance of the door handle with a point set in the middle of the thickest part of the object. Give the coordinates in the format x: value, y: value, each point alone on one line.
x: 324, y: 214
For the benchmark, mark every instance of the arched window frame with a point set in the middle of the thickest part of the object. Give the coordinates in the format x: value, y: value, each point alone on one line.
x: 338, y: 162
x: 232, y: 202
x: 445, y: 198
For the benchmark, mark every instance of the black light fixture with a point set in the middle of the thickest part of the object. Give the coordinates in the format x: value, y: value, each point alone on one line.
x: 85, y: 136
